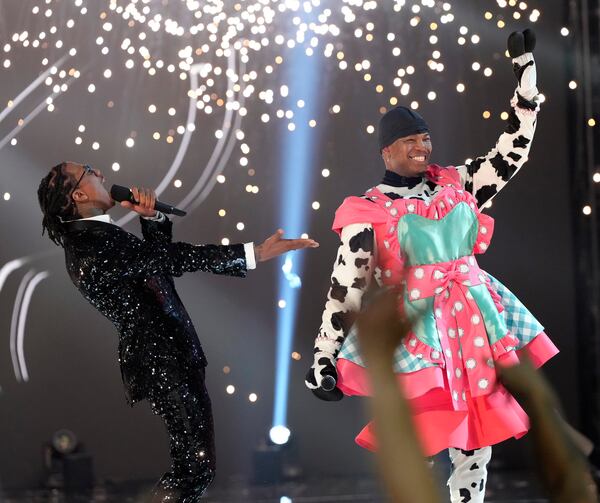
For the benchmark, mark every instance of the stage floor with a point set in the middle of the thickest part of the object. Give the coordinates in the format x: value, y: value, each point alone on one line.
x: 503, y: 487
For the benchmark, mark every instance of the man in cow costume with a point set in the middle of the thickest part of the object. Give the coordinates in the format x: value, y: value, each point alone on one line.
x: 422, y: 227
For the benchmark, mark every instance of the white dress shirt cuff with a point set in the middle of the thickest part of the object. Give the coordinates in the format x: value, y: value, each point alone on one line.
x: 250, y: 257
x: 159, y: 217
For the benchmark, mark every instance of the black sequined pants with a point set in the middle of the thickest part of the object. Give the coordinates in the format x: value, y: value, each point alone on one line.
x: 187, y: 413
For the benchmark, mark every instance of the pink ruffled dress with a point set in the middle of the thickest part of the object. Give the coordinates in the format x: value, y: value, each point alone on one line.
x: 465, y: 321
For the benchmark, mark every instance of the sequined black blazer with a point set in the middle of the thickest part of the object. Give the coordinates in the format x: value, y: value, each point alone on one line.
x: 130, y: 281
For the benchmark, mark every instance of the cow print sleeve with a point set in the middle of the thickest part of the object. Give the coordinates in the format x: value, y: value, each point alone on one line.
x: 485, y: 176
x: 352, y: 273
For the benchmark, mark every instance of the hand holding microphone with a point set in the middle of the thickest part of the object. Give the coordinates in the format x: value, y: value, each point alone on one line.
x: 329, y: 382
x: 322, y: 376
x: 142, y: 201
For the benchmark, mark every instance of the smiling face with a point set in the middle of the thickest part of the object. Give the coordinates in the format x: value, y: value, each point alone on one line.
x: 408, y: 156
x: 90, y: 194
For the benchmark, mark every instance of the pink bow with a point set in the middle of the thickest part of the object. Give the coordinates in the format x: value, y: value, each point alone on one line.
x: 427, y: 280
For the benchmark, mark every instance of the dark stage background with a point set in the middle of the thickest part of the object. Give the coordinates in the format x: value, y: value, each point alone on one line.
x: 70, y: 350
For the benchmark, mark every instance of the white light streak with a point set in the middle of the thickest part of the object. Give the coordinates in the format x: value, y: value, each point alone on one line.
x: 31, y: 87
x: 14, y: 326
x: 23, y: 311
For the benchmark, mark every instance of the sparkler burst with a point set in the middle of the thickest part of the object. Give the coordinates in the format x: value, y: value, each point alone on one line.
x: 104, y: 46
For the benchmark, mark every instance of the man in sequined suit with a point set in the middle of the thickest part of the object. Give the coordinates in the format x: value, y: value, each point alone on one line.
x: 130, y: 281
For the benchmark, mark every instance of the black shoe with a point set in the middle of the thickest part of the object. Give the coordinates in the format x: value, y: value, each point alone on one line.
x: 167, y: 490
x: 194, y: 487
x: 171, y: 489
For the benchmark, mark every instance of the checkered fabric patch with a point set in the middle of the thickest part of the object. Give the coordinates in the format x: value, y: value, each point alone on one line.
x: 403, y: 361
x: 521, y: 323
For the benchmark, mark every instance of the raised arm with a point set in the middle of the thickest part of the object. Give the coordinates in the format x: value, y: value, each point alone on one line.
x: 157, y: 254
x: 485, y: 176
x: 351, y: 276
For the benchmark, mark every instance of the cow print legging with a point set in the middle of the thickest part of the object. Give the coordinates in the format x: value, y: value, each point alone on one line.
x: 469, y: 474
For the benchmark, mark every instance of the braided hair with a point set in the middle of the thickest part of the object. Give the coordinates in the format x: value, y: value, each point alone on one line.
x: 54, y: 195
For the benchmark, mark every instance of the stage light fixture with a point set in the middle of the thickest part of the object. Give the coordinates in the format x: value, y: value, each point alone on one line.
x: 279, y: 435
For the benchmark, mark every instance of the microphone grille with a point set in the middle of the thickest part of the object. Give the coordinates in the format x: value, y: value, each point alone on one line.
x: 328, y: 383
x: 120, y: 193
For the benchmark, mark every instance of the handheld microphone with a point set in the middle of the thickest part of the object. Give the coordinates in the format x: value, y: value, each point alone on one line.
x: 120, y: 193
x: 328, y: 382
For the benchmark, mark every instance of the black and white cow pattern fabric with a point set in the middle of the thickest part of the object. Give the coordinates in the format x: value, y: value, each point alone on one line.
x: 526, y: 73
x: 485, y: 176
x: 469, y: 474
x: 352, y: 274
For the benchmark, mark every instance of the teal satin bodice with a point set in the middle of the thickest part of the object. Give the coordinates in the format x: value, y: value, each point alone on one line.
x: 427, y: 241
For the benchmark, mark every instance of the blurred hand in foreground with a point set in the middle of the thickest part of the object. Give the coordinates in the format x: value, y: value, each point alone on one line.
x: 381, y: 325
x: 561, y: 465
x: 526, y: 383
x: 381, y: 328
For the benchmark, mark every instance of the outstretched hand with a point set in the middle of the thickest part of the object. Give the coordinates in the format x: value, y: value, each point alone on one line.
x: 276, y: 245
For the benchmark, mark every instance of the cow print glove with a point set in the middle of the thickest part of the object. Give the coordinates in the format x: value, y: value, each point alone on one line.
x: 324, y: 364
x: 520, y: 48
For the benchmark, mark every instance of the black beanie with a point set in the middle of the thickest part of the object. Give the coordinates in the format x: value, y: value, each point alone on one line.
x: 398, y: 123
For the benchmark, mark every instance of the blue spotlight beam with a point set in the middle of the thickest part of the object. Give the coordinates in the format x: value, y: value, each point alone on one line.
x: 296, y: 181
